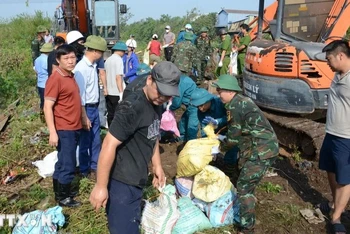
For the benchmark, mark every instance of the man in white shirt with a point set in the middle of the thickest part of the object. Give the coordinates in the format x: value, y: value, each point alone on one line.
x: 335, y: 151
x: 114, y: 84
x: 85, y: 74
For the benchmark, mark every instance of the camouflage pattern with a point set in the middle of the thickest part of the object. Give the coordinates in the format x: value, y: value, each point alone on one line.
x: 204, y: 50
x: 36, y: 46
x: 185, y: 56
x: 252, y: 133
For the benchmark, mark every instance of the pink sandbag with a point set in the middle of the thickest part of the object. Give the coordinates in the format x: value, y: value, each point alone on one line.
x: 168, y: 122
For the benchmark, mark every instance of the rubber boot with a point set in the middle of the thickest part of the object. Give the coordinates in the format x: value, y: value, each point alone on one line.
x: 65, y: 199
x: 74, y: 188
x: 56, y: 188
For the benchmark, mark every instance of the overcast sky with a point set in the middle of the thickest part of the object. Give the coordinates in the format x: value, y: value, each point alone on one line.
x: 139, y: 8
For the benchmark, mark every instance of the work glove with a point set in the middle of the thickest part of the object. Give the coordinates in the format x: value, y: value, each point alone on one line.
x: 220, y: 64
x: 221, y: 138
x: 120, y: 97
x: 215, y: 150
x: 210, y: 120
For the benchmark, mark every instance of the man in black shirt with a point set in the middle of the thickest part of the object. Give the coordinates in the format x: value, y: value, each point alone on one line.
x: 51, y: 59
x: 131, y: 143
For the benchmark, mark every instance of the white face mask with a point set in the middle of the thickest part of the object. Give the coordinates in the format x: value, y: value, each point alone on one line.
x: 167, y: 30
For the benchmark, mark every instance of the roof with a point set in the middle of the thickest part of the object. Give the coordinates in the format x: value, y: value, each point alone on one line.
x: 233, y: 11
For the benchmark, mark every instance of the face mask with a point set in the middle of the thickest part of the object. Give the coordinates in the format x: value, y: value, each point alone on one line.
x: 167, y: 30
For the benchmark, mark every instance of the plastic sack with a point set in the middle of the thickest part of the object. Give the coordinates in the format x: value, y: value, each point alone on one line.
x: 210, y: 184
x: 191, y: 218
x: 146, y: 57
x: 40, y: 222
x: 46, y: 167
x: 168, y: 121
x: 233, y: 63
x: 224, y: 211
x: 200, y: 204
x: 160, y: 216
x: 184, y: 186
x: 195, y: 156
x: 210, y: 132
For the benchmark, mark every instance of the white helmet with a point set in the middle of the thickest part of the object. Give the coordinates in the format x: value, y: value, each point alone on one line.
x: 131, y: 43
x: 73, y: 36
x: 188, y: 26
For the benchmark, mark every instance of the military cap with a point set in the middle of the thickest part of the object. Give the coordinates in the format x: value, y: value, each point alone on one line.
x: 227, y: 82
x: 96, y: 43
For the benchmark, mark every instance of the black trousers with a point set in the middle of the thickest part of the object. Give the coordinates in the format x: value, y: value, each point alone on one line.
x: 168, y: 52
x: 111, y: 103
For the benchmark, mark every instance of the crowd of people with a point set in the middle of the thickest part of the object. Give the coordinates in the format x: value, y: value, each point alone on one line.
x: 69, y: 74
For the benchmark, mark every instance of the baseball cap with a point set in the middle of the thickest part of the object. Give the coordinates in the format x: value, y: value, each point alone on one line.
x: 167, y: 27
x: 227, y: 82
x: 167, y: 77
x: 155, y: 36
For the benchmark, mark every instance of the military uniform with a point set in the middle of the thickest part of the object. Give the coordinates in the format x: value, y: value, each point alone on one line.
x: 227, y: 46
x: 185, y: 56
x: 252, y: 133
x: 204, y: 51
x: 37, y: 44
x: 241, y: 54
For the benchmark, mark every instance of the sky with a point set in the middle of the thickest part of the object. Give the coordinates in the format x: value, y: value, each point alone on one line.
x: 139, y: 8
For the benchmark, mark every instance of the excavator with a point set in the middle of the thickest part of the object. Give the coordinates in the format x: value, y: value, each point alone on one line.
x: 102, y: 19
x: 287, y: 75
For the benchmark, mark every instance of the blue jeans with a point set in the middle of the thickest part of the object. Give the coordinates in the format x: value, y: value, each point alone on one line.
x: 123, y: 208
x: 188, y: 125
x: 67, y: 145
x: 90, y: 142
x: 41, y: 92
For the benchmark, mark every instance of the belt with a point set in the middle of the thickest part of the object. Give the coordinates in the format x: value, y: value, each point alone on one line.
x: 91, y: 105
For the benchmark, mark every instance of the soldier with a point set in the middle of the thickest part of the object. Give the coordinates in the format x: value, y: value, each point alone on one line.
x: 252, y: 133
x: 185, y: 56
x: 38, y: 42
x: 225, y: 49
x: 203, y: 44
x: 242, y: 45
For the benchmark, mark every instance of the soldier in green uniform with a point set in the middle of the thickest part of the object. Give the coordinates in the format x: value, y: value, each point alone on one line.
x: 252, y: 133
x: 203, y: 44
x: 185, y: 56
x: 38, y: 42
x: 225, y: 50
x: 242, y: 45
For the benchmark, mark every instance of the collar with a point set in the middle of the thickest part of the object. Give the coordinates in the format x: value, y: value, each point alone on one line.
x: 87, y: 61
x: 64, y: 73
x: 345, y: 75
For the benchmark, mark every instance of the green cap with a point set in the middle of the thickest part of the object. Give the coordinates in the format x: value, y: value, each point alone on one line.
x: 204, y: 29
x: 201, y: 96
x: 188, y: 36
x: 40, y: 29
x: 46, y: 48
x: 227, y: 82
x: 96, y: 43
x: 142, y: 69
x: 120, y: 46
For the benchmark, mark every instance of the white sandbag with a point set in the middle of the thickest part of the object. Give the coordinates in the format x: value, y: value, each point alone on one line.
x: 160, y: 216
x: 184, y: 186
x: 46, y: 167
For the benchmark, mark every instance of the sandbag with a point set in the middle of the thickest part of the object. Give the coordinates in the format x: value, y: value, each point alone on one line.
x: 146, y: 57
x: 195, y: 156
x: 224, y: 211
x: 159, y: 217
x: 200, y: 204
x: 191, y: 218
x: 184, y: 186
x: 210, y: 184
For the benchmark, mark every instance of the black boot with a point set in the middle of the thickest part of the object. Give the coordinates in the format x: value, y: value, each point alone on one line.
x: 65, y: 199
x: 56, y: 188
x: 74, y: 188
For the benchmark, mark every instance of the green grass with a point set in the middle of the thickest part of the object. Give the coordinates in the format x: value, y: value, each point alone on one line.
x: 269, y: 187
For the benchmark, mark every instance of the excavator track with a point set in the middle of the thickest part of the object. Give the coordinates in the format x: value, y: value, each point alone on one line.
x: 298, y: 133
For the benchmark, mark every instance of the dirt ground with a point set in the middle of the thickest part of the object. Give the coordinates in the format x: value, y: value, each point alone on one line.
x: 301, y: 188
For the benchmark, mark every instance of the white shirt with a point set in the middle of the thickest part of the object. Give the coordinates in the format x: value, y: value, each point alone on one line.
x: 85, y: 74
x: 114, y: 66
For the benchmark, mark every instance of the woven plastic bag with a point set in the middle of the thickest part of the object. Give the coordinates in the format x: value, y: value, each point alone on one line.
x: 146, y: 57
x: 168, y: 121
x: 210, y: 184
x: 160, y: 216
x: 184, y: 186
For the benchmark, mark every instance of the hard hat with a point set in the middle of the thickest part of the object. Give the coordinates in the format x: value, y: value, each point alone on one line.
x: 188, y: 26
x: 227, y: 82
x: 120, y: 46
x: 40, y: 29
x: 46, y: 48
x: 131, y: 43
x: 73, y: 36
x: 142, y: 69
x: 96, y: 43
x: 201, y: 96
x: 188, y: 36
x: 222, y: 31
x: 204, y: 29
x: 167, y: 27
x: 155, y: 36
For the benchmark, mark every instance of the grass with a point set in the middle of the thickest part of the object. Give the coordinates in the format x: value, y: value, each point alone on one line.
x: 269, y: 187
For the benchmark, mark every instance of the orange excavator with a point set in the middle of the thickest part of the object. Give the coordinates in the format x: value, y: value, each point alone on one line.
x: 103, y: 18
x: 288, y: 76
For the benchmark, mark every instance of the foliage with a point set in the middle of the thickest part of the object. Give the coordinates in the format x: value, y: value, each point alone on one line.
x: 145, y: 28
x: 15, y: 54
x: 270, y: 187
